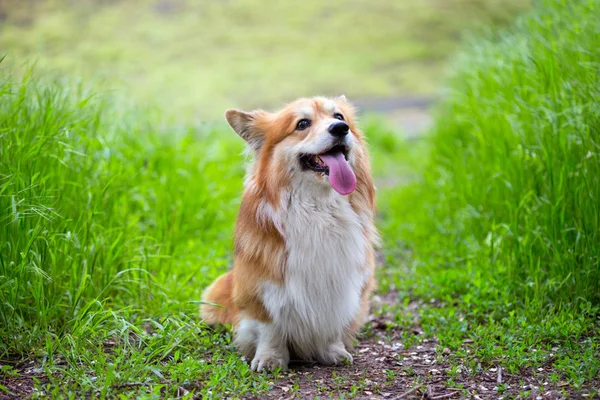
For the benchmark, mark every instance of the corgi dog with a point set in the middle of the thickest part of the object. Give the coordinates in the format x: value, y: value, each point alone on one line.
x: 304, y: 240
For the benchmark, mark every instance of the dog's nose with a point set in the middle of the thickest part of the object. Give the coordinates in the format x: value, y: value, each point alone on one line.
x: 338, y: 129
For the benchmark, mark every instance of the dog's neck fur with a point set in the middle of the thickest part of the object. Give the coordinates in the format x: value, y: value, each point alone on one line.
x: 326, y: 244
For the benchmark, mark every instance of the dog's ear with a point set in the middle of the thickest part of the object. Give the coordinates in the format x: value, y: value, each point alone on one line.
x: 245, y: 125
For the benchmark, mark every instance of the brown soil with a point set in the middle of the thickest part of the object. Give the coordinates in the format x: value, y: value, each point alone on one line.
x: 22, y: 386
x: 384, y: 369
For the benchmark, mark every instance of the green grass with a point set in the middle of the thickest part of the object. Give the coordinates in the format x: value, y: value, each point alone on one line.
x: 504, y: 225
x: 112, y: 222
x: 196, y: 59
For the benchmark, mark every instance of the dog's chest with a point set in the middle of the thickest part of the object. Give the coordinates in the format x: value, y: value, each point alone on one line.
x: 325, y: 270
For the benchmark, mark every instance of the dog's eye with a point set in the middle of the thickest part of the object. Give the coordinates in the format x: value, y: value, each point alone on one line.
x: 302, y: 124
x: 338, y: 116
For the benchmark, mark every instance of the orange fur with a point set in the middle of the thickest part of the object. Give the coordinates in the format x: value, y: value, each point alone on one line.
x: 219, y: 293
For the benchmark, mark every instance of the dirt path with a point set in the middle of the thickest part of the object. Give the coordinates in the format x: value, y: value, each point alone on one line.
x: 384, y: 368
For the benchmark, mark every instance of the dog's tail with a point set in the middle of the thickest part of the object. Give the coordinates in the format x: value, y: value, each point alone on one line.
x: 219, y: 294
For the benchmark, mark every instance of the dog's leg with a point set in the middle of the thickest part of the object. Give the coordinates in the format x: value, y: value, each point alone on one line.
x: 336, y: 354
x: 271, y: 351
x: 246, y: 337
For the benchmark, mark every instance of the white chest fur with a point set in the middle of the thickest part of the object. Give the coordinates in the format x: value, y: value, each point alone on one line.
x: 325, y: 269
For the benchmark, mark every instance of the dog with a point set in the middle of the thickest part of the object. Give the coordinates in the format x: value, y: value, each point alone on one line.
x: 304, y: 240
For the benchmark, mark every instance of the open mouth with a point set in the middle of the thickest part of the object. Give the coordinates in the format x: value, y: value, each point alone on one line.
x: 314, y: 162
x: 334, y: 164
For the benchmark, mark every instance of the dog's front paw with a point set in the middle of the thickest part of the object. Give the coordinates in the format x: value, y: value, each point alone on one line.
x: 336, y: 355
x: 268, y: 362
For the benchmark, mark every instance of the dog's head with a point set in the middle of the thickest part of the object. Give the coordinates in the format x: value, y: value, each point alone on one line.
x: 313, y: 141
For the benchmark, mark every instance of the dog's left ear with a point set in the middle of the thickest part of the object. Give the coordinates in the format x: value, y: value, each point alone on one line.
x: 342, y: 98
x: 245, y: 125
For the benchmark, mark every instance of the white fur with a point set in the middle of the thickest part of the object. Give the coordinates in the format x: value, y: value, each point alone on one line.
x: 325, y: 270
x: 328, y: 104
x: 305, y: 112
x: 246, y: 336
x: 271, y: 349
x: 263, y: 343
x: 324, y: 274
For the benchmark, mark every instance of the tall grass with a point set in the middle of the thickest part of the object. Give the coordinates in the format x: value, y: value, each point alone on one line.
x: 99, y: 208
x: 502, y: 228
x: 510, y: 205
x: 111, y: 223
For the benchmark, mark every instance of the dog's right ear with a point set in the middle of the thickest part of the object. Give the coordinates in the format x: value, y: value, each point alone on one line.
x: 245, y: 125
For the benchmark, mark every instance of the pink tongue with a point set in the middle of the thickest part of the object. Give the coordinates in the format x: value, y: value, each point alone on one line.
x: 341, y: 176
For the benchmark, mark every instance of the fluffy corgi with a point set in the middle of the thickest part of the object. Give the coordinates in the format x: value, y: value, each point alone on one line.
x: 304, y: 258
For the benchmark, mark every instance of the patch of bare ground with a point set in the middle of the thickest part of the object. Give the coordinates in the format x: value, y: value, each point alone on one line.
x: 22, y: 386
x: 384, y: 368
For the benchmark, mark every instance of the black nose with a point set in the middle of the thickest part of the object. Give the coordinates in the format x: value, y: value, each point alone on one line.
x: 338, y: 129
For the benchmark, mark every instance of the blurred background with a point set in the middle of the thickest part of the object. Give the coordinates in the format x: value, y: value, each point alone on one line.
x: 194, y: 59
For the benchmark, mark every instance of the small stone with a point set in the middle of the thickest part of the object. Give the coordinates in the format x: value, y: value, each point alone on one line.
x: 446, y: 351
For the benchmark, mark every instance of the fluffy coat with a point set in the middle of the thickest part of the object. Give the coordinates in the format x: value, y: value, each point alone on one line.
x: 304, y: 260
